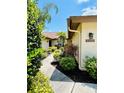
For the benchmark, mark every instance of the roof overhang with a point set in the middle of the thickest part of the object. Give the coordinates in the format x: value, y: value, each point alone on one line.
x: 74, y: 21
x: 50, y: 35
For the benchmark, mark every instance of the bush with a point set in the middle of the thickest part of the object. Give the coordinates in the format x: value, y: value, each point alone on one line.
x: 52, y: 49
x: 43, y: 53
x: 70, y: 49
x: 91, y: 66
x: 34, y: 62
x: 68, y: 63
x: 40, y: 84
x: 62, y: 49
x: 56, y: 54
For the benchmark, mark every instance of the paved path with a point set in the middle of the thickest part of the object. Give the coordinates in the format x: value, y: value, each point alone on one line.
x: 61, y: 83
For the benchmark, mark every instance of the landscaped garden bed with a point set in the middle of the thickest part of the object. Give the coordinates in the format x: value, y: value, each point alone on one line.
x: 76, y: 74
x: 66, y: 63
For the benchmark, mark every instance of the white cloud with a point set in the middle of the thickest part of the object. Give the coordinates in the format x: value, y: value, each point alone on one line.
x: 89, y: 11
x: 82, y: 1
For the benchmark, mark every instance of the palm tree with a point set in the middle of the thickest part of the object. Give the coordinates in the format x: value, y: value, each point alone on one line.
x: 45, y: 12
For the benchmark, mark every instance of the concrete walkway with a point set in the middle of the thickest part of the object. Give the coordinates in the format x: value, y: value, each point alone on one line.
x: 61, y: 83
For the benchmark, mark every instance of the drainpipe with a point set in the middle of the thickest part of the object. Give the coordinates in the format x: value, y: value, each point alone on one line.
x: 71, y: 30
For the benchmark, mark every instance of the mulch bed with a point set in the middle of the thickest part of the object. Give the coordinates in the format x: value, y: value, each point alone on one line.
x: 76, y: 75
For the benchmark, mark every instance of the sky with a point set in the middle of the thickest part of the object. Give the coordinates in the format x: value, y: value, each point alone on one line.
x: 67, y: 8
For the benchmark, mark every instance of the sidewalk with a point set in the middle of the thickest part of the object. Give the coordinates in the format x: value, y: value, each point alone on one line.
x: 61, y: 83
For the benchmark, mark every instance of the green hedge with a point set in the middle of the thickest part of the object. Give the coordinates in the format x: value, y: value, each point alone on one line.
x: 91, y: 66
x: 36, y: 81
x: 34, y: 60
x: 68, y: 63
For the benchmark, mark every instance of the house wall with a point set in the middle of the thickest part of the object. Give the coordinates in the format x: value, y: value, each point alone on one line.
x: 76, y: 41
x: 87, y: 48
x: 45, y: 44
x: 54, y: 42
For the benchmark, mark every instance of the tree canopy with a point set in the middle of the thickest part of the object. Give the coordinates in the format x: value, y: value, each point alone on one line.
x: 62, y: 37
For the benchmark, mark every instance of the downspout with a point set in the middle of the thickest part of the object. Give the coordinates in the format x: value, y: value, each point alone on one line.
x: 79, y: 32
x: 71, y: 30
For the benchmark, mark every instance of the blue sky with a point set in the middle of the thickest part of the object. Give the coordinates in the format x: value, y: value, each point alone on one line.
x: 67, y: 8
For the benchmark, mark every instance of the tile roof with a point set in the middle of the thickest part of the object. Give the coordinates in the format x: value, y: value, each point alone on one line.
x: 50, y: 35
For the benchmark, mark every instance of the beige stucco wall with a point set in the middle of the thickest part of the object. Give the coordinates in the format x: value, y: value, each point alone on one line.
x: 76, y: 41
x: 85, y: 48
x: 54, y: 42
x: 45, y: 44
x: 88, y: 48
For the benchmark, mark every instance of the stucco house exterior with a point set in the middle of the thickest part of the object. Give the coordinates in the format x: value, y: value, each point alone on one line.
x: 49, y: 40
x: 82, y: 31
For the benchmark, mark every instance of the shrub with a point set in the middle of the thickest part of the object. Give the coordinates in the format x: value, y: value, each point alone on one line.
x: 52, y: 49
x: 43, y: 53
x: 68, y: 63
x: 40, y: 84
x: 91, y: 66
x: 62, y: 49
x: 56, y: 54
x: 70, y: 49
x: 34, y: 62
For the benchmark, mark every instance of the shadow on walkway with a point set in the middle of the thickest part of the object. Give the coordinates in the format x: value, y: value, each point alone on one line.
x: 59, y: 76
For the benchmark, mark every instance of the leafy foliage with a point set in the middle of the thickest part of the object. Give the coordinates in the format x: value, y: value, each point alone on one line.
x: 34, y: 26
x: 40, y: 84
x: 36, y: 81
x: 52, y: 49
x: 91, y: 66
x: 62, y: 38
x: 70, y: 49
x: 62, y: 49
x: 43, y: 53
x: 57, y: 54
x: 68, y: 63
x: 34, y: 63
x: 46, y: 9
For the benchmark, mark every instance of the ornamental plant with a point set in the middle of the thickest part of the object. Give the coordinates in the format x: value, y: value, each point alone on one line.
x: 91, y: 66
x: 68, y: 63
x: 52, y: 49
x: 43, y: 53
x: 57, y: 54
x: 62, y: 38
x: 70, y: 49
x: 40, y: 84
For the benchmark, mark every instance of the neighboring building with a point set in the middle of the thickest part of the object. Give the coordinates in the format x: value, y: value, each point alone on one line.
x: 49, y: 40
x: 82, y: 31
